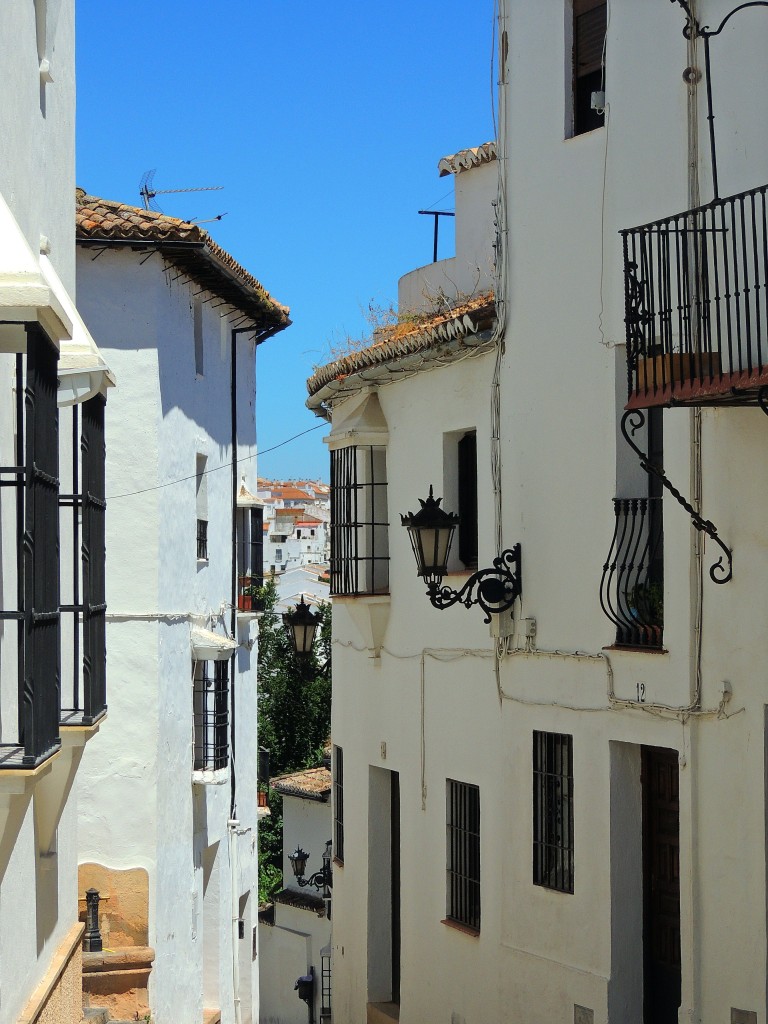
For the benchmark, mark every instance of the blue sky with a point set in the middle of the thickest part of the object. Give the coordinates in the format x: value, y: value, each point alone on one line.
x: 324, y: 122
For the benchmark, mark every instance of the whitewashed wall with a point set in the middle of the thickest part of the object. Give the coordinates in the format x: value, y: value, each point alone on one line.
x: 293, y: 944
x: 139, y: 806
x: 38, y: 895
x: 541, y: 952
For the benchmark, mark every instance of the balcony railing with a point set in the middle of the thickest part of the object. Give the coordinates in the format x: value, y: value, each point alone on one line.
x: 632, y: 587
x: 696, y: 306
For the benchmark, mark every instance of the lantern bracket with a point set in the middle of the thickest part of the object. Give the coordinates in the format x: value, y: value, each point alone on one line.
x: 494, y: 589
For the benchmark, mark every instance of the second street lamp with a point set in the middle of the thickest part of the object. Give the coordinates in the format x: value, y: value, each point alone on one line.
x: 302, y: 625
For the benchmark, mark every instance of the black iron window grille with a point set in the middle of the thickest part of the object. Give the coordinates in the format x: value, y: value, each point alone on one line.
x: 338, y: 804
x: 359, y: 520
x: 86, y: 639
x: 326, y: 1011
x: 553, y: 811
x: 696, y: 304
x: 202, y: 539
x: 632, y: 586
x: 463, y: 853
x: 211, y: 715
x: 31, y: 473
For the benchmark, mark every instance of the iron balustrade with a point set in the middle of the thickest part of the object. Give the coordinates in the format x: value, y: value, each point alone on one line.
x: 696, y: 305
x: 632, y: 585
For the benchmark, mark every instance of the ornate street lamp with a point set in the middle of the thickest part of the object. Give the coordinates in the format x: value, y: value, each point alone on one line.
x: 431, y: 531
x: 320, y: 879
x: 302, y: 625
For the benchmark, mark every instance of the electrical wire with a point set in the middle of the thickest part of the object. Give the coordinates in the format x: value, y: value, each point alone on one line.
x: 224, y: 465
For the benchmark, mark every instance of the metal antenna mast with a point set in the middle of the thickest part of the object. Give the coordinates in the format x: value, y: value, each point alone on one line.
x: 148, y: 193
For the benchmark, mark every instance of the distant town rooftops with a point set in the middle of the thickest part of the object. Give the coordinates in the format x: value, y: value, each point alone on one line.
x: 467, y: 158
x: 398, y: 342
x: 185, y: 245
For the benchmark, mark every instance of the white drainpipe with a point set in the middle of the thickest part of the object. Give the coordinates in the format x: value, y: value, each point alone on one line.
x: 233, y: 824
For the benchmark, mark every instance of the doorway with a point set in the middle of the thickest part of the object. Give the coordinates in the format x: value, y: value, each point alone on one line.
x: 661, y: 885
x: 384, y: 887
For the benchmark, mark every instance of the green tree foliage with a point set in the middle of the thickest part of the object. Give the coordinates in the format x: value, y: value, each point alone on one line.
x: 294, y: 719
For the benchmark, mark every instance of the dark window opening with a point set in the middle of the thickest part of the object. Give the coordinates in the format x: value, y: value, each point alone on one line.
x: 338, y: 804
x: 463, y: 853
x: 202, y: 539
x: 250, y: 554
x: 553, y: 811
x: 359, y: 520
x: 467, y: 460
x: 211, y: 715
x: 589, y: 28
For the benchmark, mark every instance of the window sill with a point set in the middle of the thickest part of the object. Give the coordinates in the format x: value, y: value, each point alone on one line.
x: 464, y: 928
x: 338, y: 863
x: 618, y: 648
x: 210, y: 777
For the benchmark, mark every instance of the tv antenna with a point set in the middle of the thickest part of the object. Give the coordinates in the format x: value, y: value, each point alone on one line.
x: 148, y: 193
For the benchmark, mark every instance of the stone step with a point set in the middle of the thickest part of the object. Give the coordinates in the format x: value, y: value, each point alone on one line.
x: 96, y: 1015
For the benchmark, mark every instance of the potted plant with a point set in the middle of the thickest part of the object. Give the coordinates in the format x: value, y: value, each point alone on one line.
x: 252, y: 596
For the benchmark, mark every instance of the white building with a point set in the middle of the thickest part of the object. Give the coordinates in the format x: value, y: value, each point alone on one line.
x: 564, y: 819
x: 53, y: 382
x: 169, y: 809
x: 294, y: 940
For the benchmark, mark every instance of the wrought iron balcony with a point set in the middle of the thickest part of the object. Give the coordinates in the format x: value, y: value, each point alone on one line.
x: 696, y: 305
x: 632, y: 587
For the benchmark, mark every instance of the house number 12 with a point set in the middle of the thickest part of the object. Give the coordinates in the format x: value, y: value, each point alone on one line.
x: 640, y: 693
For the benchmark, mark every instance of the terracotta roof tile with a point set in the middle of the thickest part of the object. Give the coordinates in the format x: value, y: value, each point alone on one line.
x: 108, y: 221
x: 404, y: 339
x: 467, y: 158
x: 312, y: 784
x: 301, y: 901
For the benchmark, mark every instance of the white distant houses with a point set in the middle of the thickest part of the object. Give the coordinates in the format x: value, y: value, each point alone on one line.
x: 297, y: 538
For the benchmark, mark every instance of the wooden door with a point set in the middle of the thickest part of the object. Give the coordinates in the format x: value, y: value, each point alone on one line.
x: 661, y: 885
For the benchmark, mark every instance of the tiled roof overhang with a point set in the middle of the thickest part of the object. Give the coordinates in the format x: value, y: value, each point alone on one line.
x: 465, y: 159
x: 440, y: 339
x: 301, y: 901
x: 311, y: 784
x: 103, y: 223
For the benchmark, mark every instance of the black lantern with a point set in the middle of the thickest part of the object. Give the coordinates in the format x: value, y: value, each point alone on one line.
x: 302, y: 625
x: 431, y: 530
x: 321, y: 879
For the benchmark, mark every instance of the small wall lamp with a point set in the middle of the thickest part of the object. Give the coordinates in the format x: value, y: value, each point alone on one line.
x: 431, y: 531
x: 320, y: 879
